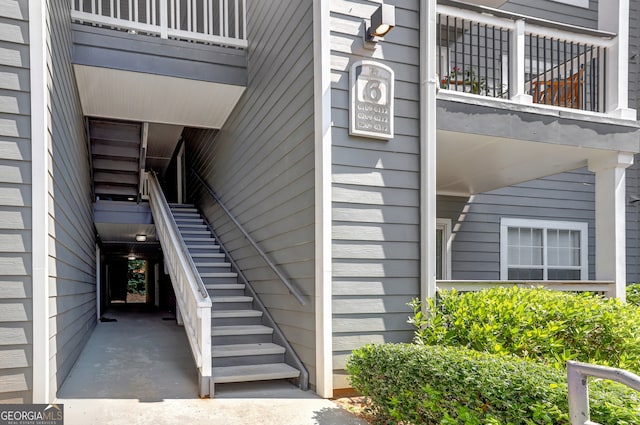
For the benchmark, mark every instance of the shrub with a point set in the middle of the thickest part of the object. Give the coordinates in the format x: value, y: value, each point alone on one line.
x: 540, y: 324
x: 633, y: 294
x: 412, y: 384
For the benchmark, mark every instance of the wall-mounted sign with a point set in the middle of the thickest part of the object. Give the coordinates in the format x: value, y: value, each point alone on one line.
x: 371, y: 100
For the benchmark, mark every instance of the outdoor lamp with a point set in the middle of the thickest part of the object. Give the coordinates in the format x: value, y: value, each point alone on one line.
x: 382, y: 21
x: 141, y: 238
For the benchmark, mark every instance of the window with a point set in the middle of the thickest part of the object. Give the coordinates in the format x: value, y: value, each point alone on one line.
x: 443, y: 249
x: 543, y: 250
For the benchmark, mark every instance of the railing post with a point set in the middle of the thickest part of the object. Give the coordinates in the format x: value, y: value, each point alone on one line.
x: 578, y: 387
x: 517, y: 64
x: 613, y: 16
x: 164, y: 19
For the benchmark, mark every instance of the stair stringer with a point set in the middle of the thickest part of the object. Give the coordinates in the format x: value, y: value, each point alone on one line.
x: 291, y: 357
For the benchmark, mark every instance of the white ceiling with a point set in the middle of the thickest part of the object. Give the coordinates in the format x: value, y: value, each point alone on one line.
x: 469, y: 164
x: 133, y: 96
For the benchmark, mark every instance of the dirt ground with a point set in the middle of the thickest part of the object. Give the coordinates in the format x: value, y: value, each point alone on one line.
x: 353, y: 403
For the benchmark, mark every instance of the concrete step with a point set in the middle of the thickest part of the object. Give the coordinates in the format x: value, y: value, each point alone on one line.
x: 235, y: 330
x: 236, y: 317
x: 241, y: 334
x: 247, y: 354
x: 225, y: 289
x: 194, y: 233
x: 219, y: 274
x: 190, y: 240
x: 212, y: 264
x: 208, y: 255
x: 248, y: 373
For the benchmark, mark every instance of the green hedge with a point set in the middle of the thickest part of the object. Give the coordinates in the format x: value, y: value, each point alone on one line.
x: 412, y: 384
x: 633, y: 294
x: 549, y: 326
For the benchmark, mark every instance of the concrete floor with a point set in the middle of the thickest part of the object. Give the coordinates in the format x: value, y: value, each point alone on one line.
x: 139, y: 370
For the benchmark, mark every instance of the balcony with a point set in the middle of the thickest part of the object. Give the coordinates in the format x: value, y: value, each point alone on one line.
x: 522, y: 98
x: 180, y: 62
x: 490, y: 53
x: 219, y: 22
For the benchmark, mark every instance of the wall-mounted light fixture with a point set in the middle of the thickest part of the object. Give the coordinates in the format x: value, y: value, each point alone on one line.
x: 382, y: 21
x: 131, y: 257
x: 141, y: 238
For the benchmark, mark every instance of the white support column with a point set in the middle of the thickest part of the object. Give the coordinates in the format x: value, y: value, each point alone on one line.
x: 428, y: 90
x: 517, y: 64
x: 323, y: 225
x: 613, y: 16
x: 611, y: 218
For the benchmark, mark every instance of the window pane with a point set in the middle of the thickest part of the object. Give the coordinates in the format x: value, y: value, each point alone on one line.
x: 552, y: 256
x: 537, y: 237
x: 564, y: 239
x: 514, y: 256
x: 575, y: 239
x: 525, y: 274
x: 576, y: 257
x: 552, y: 238
x: 513, y: 236
x: 563, y: 274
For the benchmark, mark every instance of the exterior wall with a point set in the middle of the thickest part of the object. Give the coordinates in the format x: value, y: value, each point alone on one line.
x: 556, y: 10
x: 261, y: 164
x: 476, y: 223
x: 15, y: 205
x: 72, y: 290
x: 634, y: 54
x: 633, y: 221
x: 375, y: 184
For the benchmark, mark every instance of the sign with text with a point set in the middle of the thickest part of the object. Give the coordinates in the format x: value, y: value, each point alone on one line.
x: 31, y: 414
x: 371, y: 100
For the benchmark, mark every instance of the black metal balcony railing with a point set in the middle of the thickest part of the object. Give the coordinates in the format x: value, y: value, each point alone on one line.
x: 473, y: 57
x: 480, y: 56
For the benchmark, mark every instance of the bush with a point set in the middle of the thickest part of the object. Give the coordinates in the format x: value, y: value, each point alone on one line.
x: 549, y: 326
x: 413, y: 384
x: 633, y: 294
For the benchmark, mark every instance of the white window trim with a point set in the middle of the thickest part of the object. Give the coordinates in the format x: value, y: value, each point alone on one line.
x: 582, y: 227
x: 444, y: 224
x: 578, y: 3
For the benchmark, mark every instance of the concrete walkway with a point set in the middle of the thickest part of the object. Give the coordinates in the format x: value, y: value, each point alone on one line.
x: 139, y: 370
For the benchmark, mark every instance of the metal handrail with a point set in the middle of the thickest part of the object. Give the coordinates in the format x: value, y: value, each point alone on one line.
x: 292, y: 289
x: 291, y: 357
x: 577, y: 374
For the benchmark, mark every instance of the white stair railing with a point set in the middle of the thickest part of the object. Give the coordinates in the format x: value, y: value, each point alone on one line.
x: 577, y: 378
x: 192, y: 298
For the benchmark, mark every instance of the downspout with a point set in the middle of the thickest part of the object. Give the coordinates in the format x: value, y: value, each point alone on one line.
x: 428, y: 92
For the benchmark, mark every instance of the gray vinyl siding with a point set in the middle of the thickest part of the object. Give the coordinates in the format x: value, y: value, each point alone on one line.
x: 633, y: 221
x: 556, y: 11
x: 261, y: 164
x: 475, y: 250
x: 376, y: 190
x: 634, y: 54
x: 72, y: 272
x: 15, y: 205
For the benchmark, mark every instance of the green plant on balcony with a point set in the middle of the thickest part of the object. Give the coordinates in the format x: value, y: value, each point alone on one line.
x: 464, y: 80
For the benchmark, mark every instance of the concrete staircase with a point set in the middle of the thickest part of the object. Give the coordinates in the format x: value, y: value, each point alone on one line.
x: 243, y: 347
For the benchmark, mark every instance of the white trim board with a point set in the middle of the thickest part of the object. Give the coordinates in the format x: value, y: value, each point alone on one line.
x: 39, y: 201
x: 323, y: 224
